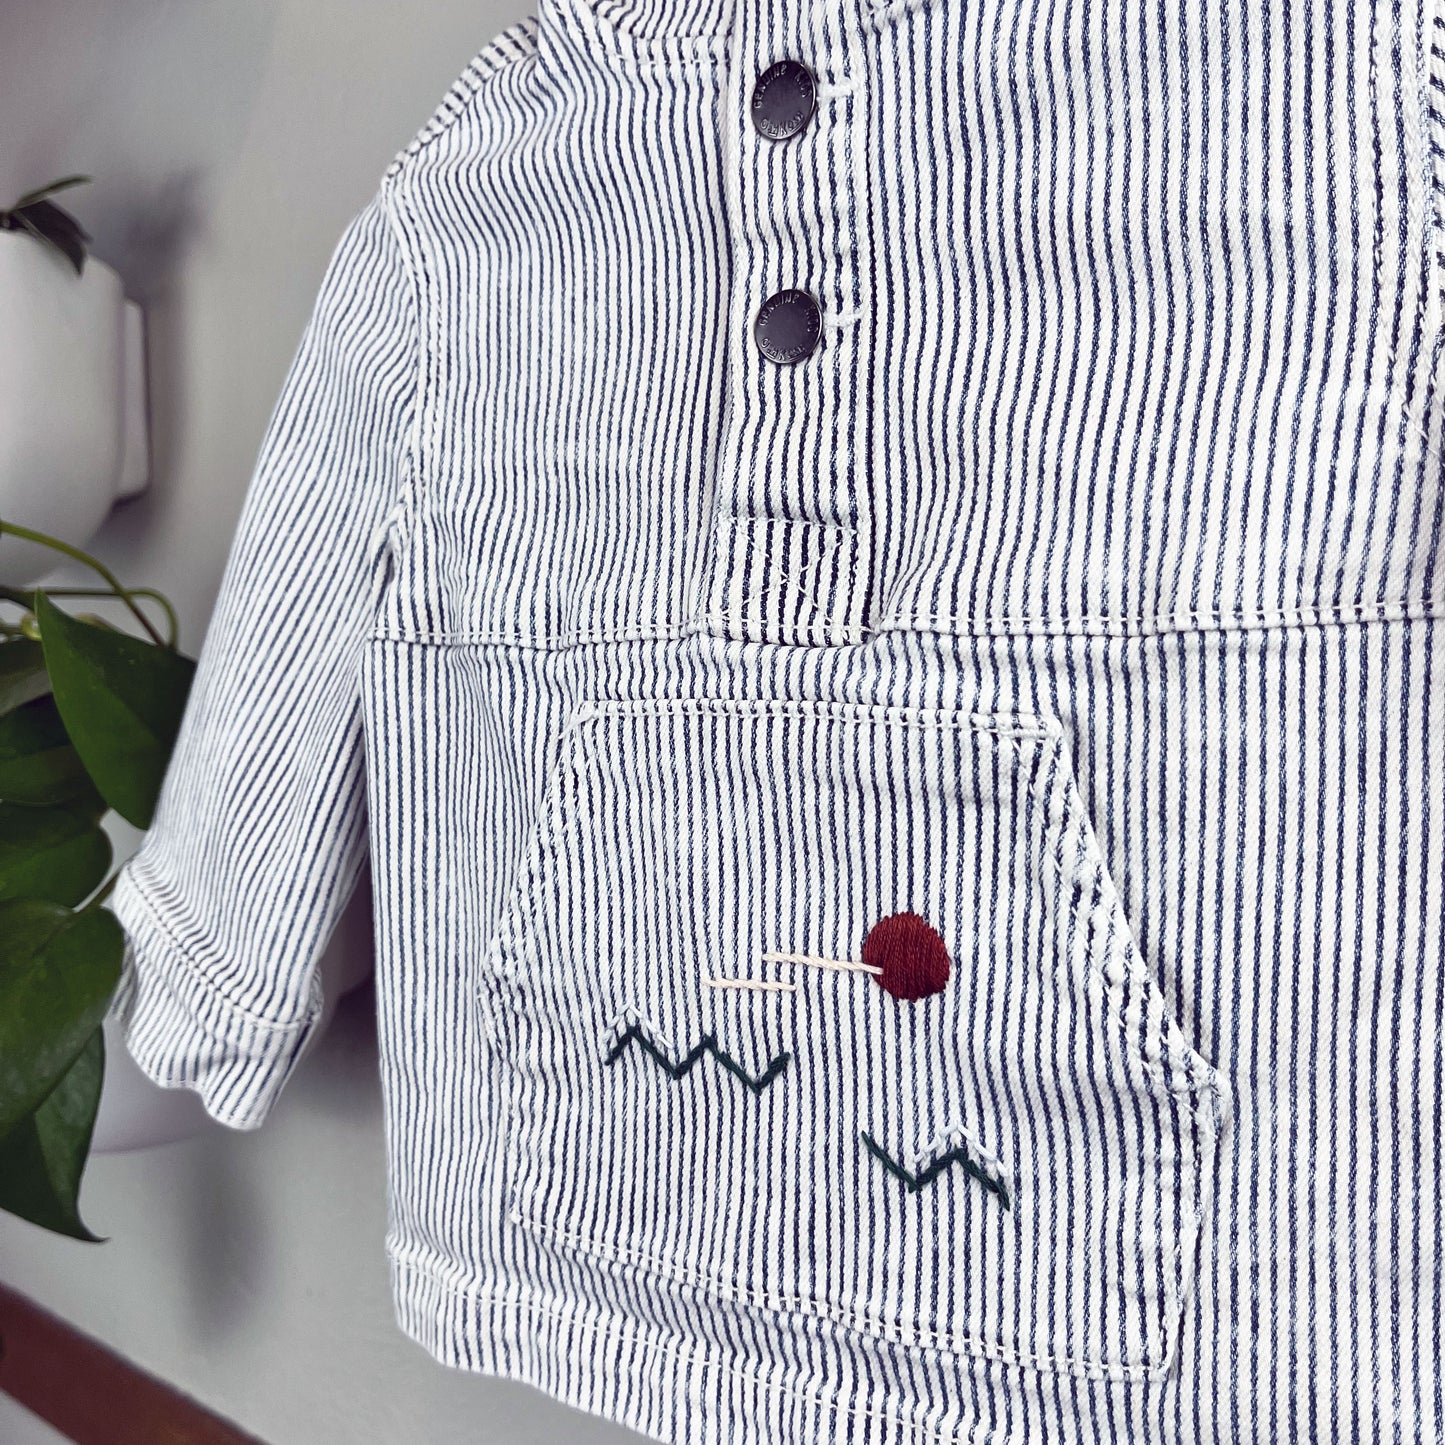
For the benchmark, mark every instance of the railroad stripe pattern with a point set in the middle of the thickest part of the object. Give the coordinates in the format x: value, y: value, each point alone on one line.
x: 622, y: 656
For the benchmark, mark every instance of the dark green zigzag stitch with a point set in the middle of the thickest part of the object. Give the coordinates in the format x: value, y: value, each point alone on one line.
x: 707, y: 1044
x: 917, y: 1181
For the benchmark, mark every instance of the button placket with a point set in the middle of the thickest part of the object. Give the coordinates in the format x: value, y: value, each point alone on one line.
x: 786, y: 559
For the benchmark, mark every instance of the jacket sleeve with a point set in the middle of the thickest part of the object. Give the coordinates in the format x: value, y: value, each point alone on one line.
x: 260, y: 827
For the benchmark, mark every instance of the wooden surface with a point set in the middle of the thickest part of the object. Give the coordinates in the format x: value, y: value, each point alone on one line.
x: 89, y: 1393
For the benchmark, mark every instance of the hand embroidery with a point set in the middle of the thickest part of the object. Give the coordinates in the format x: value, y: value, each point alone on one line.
x: 904, y: 952
x: 706, y: 1045
x: 959, y: 1155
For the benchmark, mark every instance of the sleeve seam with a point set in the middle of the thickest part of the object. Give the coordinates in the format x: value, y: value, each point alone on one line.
x: 392, y: 203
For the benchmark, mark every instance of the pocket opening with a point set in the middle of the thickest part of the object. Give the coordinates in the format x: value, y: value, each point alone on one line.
x: 1097, y: 911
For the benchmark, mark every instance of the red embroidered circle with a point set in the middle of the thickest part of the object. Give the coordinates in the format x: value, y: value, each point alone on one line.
x: 911, y: 952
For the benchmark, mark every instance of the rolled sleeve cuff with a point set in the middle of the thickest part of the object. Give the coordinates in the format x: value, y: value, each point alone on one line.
x: 184, y: 1034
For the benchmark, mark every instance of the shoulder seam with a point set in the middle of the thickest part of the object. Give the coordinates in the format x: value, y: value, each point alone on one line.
x: 509, y: 47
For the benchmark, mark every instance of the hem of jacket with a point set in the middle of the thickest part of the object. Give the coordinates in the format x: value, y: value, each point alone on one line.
x: 592, y: 1364
x: 184, y: 1034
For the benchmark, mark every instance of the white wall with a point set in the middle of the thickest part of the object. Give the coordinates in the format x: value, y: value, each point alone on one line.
x: 230, y: 143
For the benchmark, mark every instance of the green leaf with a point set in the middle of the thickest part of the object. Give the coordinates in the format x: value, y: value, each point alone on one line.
x: 58, y: 972
x: 85, y: 801
x: 59, y: 228
x: 49, y: 190
x: 122, y: 700
x: 22, y: 673
x: 37, y: 762
x: 58, y: 854
x: 43, y: 1157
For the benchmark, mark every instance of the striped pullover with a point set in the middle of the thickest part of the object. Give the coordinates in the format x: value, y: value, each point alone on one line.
x: 865, y: 578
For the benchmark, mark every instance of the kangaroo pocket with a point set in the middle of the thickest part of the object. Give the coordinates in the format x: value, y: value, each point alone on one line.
x: 833, y: 1008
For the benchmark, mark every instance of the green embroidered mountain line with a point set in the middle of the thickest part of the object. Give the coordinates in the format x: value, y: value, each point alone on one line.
x: 917, y: 1181
x: 706, y: 1045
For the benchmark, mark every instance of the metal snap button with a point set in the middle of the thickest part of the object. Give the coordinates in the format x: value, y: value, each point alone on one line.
x: 788, y: 325
x: 783, y: 99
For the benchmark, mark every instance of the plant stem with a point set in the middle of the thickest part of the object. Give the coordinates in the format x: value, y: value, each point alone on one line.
x: 102, y: 895
x: 122, y: 592
x: 134, y: 592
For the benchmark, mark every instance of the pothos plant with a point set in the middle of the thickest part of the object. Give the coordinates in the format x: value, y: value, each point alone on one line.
x: 89, y: 714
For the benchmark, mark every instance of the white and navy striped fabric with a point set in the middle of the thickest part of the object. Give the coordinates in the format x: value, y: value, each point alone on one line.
x: 1080, y: 593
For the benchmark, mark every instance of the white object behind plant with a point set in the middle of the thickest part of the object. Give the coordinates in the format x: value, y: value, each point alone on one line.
x: 73, y: 436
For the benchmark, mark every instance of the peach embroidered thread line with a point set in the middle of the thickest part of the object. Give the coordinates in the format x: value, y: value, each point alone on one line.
x: 764, y: 983
x: 843, y: 965
x: 838, y: 965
